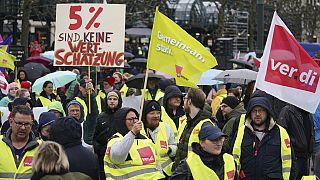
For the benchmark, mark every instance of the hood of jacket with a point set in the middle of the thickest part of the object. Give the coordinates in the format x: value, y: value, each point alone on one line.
x: 120, y: 119
x: 221, y: 92
x: 259, y: 101
x: 108, y: 110
x: 66, y: 131
x: 170, y: 92
x: 56, y: 105
x: 81, y: 109
x: 236, y: 112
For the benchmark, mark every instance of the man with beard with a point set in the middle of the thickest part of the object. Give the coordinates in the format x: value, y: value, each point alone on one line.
x: 160, y: 133
x: 194, y: 102
x: 262, y: 148
x: 105, y: 127
x: 18, y: 146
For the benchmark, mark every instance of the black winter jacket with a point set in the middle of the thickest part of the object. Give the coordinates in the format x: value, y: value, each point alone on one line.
x: 299, y: 125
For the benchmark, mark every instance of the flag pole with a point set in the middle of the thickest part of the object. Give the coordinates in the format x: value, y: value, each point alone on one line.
x: 89, y: 93
x: 143, y: 93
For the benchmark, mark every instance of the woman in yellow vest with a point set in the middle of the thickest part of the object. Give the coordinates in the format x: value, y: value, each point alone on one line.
x: 22, y: 76
x: 129, y: 154
x: 205, y: 161
x: 47, y: 95
x: 161, y: 134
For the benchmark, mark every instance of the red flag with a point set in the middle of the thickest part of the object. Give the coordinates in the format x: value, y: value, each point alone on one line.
x: 287, y: 71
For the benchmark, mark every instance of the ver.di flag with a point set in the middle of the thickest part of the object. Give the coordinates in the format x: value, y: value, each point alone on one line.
x: 6, y: 60
x: 287, y: 71
x: 173, y: 51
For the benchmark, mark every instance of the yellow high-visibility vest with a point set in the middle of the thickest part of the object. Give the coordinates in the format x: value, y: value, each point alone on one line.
x: 102, y: 94
x: 242, y: 120
x: 8, y: 168
x: 309, y: 177
x: 194, y: 134
x: 124, y: 90
x: 45, y: 101
x: 285, y: 151
x: 162, y: 147
x: 143, y: 163
x: 85, y: 107
x: 159, y: 95
x: 166, y: 118
x: 200, y: 171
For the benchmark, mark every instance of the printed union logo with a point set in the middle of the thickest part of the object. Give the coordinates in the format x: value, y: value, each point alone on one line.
x: 28, y: 161
x: 146, y: 155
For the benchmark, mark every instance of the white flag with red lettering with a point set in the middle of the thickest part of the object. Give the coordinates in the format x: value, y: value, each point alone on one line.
x: 287, y: 71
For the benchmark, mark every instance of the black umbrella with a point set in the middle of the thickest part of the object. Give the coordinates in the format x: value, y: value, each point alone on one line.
x: 138, y: 62
x: 241, y: 63
x: 128, y: 55
x: 35, y: 70
x: 137, y: 81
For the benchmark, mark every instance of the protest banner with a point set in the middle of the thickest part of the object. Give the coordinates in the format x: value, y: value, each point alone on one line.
x: 287, y: 71
x: 89, y: 35
x: 173, y: 51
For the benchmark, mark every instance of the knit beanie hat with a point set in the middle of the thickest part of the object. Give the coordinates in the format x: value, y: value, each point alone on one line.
x: 46, y: 118
x: 231, y: 101
x: 151, y: 106
x: 110, y: 80
x: 112, y: 93
x: 25, y: 84
x: 12, y: 85
x: 66, y: 131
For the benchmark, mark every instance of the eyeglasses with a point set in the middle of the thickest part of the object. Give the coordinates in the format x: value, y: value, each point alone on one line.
x: 20, y: 124
x: 259, y: 111
x: 133, y: 119
x: 218, y: 141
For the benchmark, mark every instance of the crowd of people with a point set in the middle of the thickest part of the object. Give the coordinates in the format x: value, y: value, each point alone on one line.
x: 226, y: 131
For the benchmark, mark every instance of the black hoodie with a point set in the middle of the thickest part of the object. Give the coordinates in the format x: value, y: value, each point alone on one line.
x: 104, y: 128
x: 67, y: 131
x: 104, y: 131
x: 170, y: 92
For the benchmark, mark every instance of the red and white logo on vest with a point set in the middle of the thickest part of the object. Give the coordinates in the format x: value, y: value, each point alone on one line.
x: 146, y: 155
x: 108, y: 151
x: 28, y: 161
x: 163, y: 144
x: 287, y: 142
x: 287, y: 71
x: 230, y: 175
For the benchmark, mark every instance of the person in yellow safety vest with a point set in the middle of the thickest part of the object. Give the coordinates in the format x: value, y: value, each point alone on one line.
x: 18, y: 146
x: 124, y: 89
x: 196, y: 118
x: 90, y: 119
x: 153, y: 92
x: 129, y: 154
x: 108, y: 85
x: 160, y: 133
x: 262, y: 148
x: 172, y: 110
x: 217, y: 99
x: 22, y: 77
x: 206, y: 160
x: 231, y: 110
x: 47, y: 95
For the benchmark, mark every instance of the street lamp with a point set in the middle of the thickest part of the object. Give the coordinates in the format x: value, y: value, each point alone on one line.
x: 260, y: 27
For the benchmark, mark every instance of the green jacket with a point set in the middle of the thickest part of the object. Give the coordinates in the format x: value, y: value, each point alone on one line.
x: 182, y: 151
x: 230, y: 118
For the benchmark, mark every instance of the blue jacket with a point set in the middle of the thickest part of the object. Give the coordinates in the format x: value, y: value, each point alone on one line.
x: 316, y: 120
